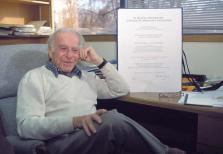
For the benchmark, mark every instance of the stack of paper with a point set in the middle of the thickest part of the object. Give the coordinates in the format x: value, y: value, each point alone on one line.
x: 44, y: 30
x: 208, y: 98
x: 24, y: 30
x: 31, y: 28
x: 5, y: 30
x: 40, y: 29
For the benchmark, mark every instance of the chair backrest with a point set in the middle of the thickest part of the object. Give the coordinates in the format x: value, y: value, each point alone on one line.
x: 15, y: 61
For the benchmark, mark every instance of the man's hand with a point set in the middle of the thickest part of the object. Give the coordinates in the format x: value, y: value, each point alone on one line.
x: 89, y: 55
x: 87, y: 121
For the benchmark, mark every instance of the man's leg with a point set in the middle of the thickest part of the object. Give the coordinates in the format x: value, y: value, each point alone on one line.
x: 131, y: 136
x: 116, y: 134
x: 79, y: 143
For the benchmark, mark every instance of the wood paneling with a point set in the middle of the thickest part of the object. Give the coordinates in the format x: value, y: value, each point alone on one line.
x: 186, y: 38
x: 13, y: 13
x: 23, y: 40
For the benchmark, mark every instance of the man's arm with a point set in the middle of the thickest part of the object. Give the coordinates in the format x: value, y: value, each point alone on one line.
x: 113, y: 85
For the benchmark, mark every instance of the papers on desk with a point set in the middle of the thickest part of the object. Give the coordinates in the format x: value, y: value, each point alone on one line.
x: 207, y: 98
x: 40, y: 29
x: 5, y: 30
x: 31, y: 28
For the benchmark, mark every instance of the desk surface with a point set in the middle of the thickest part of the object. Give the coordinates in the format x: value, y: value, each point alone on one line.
x: 170, y: 101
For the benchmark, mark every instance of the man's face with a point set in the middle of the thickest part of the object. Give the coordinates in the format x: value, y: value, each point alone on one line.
x: 65, y: 52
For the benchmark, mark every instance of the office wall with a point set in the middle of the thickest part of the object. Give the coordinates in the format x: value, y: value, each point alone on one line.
x: 203, y: 57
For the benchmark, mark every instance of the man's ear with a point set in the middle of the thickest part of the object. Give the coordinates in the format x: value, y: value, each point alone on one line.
x: 50, y: 53
x: 50, y: 59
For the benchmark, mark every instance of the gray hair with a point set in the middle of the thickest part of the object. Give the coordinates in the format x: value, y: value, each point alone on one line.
x: 62, y: 30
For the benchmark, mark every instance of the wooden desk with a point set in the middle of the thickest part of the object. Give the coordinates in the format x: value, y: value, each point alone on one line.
x: 192, y: 128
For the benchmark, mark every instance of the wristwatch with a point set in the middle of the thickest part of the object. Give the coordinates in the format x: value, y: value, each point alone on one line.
x: 102, y: 64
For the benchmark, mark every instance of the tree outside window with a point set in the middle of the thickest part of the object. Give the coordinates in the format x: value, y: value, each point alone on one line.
x: 87, y: 16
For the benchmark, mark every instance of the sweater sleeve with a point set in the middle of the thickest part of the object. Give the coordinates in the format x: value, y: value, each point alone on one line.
x: 31, y: 120
x: 113, y: 85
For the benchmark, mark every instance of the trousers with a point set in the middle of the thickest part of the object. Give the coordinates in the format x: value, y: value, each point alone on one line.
x: 117, y: 134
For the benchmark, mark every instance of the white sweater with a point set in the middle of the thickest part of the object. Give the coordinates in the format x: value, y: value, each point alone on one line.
x: 46, y: 104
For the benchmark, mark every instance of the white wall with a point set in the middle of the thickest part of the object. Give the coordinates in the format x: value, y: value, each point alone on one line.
x: 203, y: 57
x: 105, y: 49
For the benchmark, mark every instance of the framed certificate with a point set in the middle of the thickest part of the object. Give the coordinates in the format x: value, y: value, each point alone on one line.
x: 150, y: 49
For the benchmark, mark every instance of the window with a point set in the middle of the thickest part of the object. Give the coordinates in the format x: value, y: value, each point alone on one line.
x: 100, y: 16
x: 87, y: 16
x: 199, y: 16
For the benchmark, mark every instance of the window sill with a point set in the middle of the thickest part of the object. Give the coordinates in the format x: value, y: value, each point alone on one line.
x: 186, y: 38
x: 203, y: 38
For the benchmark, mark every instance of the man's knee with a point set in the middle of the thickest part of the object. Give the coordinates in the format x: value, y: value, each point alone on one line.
x: 111, y: 120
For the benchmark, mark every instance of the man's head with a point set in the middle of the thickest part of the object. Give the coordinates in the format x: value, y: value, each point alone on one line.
x: 64, y: 48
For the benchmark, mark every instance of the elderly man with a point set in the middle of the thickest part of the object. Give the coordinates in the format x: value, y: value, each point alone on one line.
x: 56, y: 103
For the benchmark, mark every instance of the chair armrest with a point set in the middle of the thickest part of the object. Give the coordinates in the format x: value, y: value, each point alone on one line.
x: 24, y: 146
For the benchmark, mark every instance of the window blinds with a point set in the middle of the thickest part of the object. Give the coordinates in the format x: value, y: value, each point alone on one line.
x: 199, y: 16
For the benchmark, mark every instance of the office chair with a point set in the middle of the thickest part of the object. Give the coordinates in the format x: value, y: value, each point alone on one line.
x: 16, y: 60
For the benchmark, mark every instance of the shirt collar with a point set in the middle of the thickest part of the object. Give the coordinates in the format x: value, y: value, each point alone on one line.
x: 56, y: 71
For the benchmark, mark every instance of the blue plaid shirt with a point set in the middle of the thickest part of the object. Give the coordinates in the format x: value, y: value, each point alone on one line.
x: 56, y: 71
